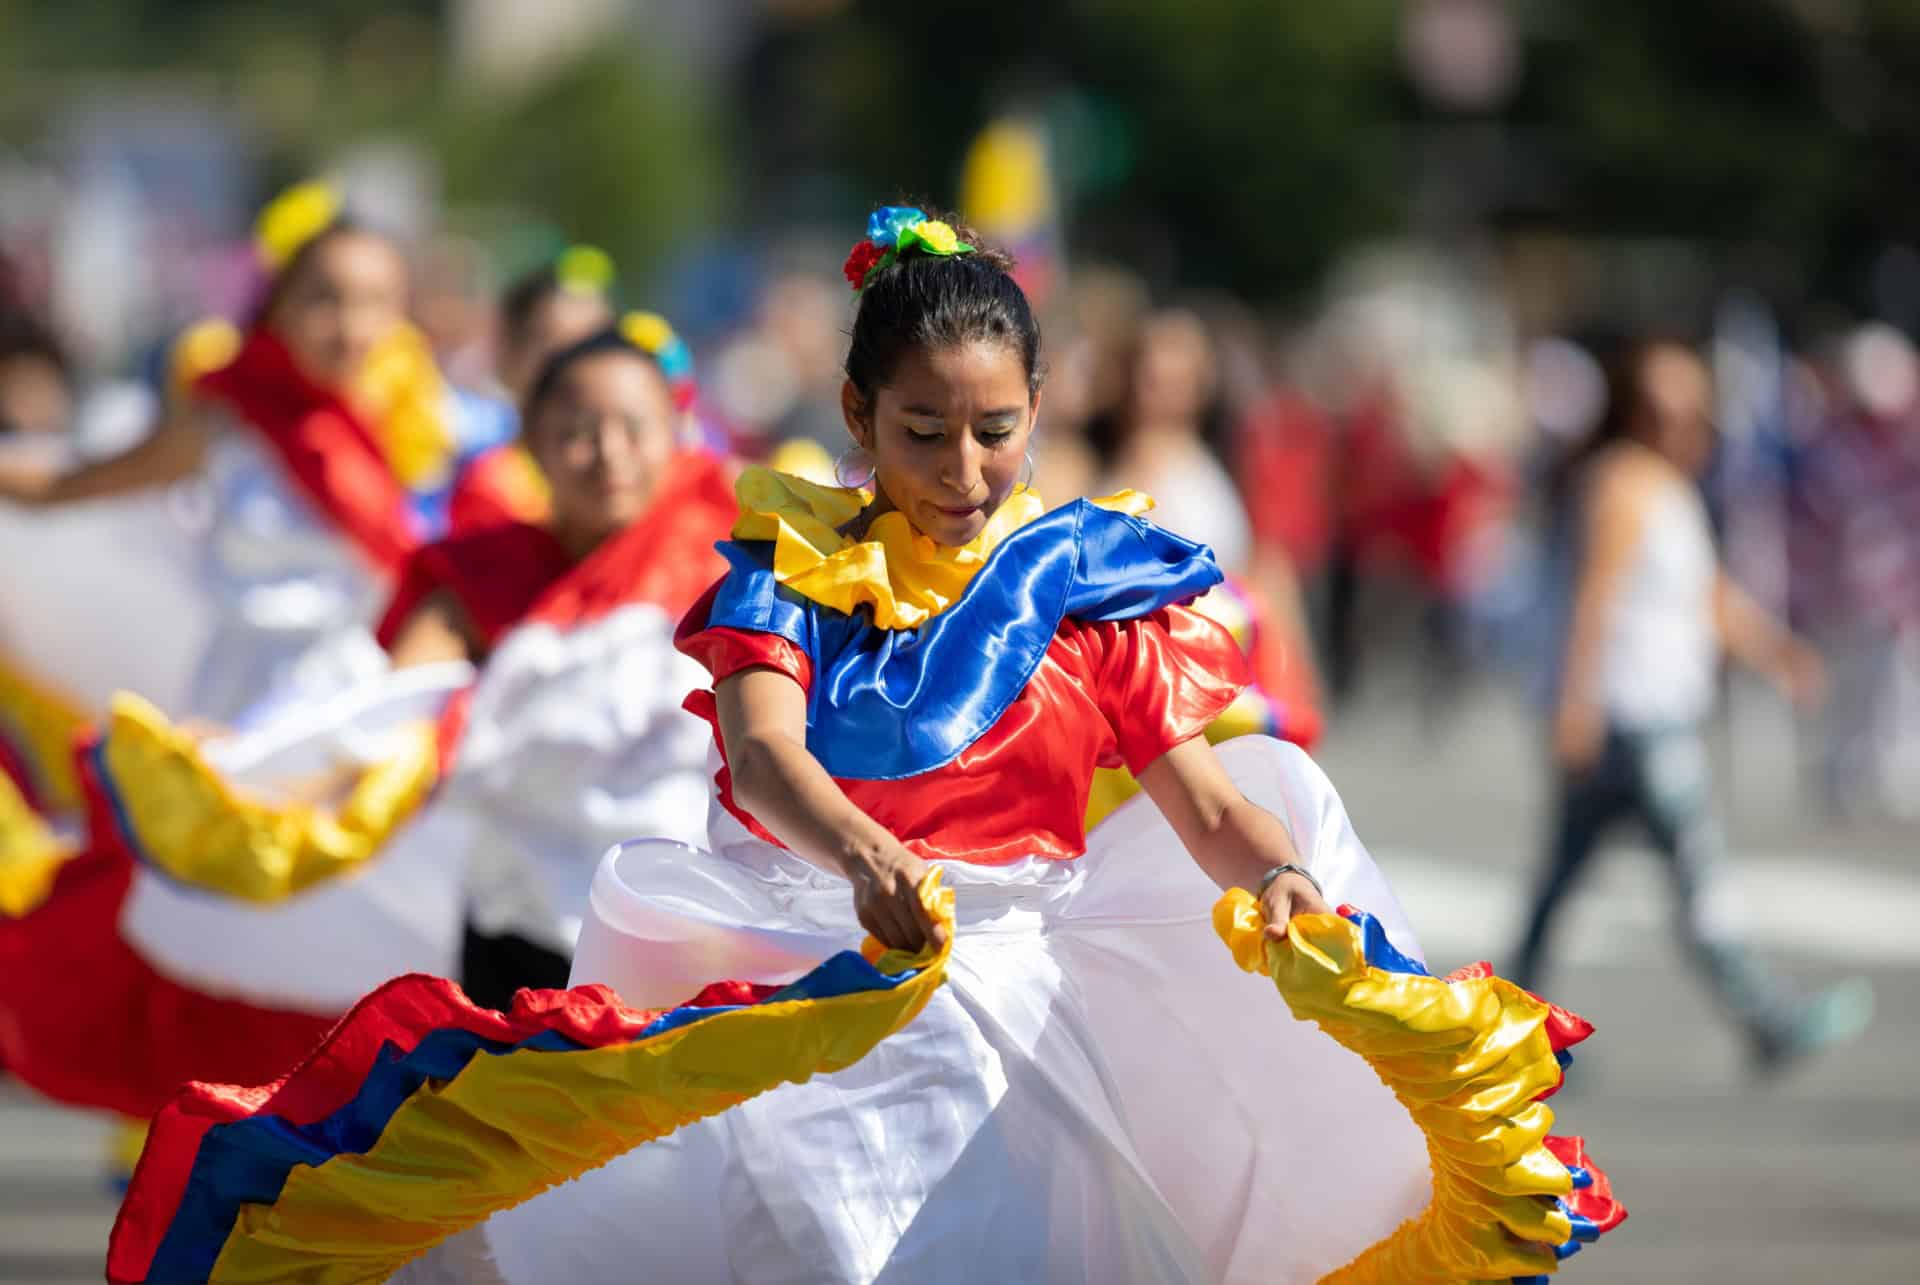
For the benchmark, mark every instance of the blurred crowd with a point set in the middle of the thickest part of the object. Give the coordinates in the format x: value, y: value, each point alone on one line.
x: 1377, y: 461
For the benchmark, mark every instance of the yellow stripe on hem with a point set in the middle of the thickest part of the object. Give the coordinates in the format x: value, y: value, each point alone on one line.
x: 198, y: 827
x: 48, y: 722
x: 30, y: 854
x: 1467, y: 1060
x: 512, y: 1125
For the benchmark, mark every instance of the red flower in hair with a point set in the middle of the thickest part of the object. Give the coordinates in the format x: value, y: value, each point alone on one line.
x: 861, y: 260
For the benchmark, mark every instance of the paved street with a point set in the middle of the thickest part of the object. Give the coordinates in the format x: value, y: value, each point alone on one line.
x: 1809, y: 1178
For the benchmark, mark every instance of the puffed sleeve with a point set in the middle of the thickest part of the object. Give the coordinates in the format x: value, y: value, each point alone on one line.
x: 1159, y: 679
x: 497, y: 575
x: 726, y: 650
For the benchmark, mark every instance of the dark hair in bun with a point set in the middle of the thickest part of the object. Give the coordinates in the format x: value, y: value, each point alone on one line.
x: 912, y: 297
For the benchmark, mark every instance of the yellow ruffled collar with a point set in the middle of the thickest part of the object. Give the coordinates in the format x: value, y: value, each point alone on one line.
x: 906, y: 578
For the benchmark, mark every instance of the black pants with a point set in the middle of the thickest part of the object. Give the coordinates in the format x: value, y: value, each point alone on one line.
x: 1661, y: 780
x: 493, y: 968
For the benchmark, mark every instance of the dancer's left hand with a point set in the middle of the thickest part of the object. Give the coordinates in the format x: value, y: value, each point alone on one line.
x: 1287, y: 896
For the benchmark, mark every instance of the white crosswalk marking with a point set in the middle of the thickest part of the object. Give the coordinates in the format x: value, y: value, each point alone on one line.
x: 1462, y: 911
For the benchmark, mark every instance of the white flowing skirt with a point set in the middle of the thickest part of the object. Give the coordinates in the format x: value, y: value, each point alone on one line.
x: 572, y: 738
x: 1097, y: 1095
x: 321, y: 949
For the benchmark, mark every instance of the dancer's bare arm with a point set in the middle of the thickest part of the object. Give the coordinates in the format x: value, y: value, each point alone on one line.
x: 1235, y: 841
x: 763, y: 721
x: 1754, y: 638
x: 174, y: 451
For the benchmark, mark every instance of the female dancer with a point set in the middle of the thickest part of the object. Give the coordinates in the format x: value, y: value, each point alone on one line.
x: 211, y: 933
x: 633, y: 518
x: 912, y: 683
x: 303, y: 430
x: 305, y: 436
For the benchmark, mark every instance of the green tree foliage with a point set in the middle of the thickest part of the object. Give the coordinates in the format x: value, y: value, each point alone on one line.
x: 616, y: 149
x: 1258, y: 134
x: 1237, y: 142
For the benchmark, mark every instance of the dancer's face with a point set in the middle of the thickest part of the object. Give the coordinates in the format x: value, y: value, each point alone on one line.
x: 603, y: 438
x: 347, y: 296
x: 947, y: 434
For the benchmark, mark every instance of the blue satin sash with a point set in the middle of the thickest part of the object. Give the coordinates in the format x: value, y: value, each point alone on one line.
x: 887, y: 704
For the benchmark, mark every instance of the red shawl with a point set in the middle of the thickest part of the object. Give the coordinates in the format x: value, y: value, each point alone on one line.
x: 495, y: 573
x: 328, y: 449
x: 514, y: 574
x: 508, y: 574
x: 500, y: 487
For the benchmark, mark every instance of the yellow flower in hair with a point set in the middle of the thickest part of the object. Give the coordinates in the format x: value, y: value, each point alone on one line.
x: 939, y: 237
x: 647, y: 331
x: 586, y: 268
x: 292, y: 219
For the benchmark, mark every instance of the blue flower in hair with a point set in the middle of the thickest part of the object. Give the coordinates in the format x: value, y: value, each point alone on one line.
x: 650, y: 333
x: 676, y: 360
x: 885, y: 224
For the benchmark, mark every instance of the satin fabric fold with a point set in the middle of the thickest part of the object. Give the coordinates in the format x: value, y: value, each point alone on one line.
x: 1278, y: 702
x: 174, y: 810
x: 85, y: 1019
x: 31, y: 853
x: 1097, y: 1095
x: 499, y: 487
x: 888, y: 704
x: 494, y: 573
x: 1113, y: 694
x: 1470, y: 1057
x: 318, y: 1175
x: 38, y: 785
x: 328, y: 448
x: 38, y: 726
x: 901, y: 577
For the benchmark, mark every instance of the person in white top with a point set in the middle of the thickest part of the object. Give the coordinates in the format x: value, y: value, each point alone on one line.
x: 1651, y: 612
x: 1161, y: 449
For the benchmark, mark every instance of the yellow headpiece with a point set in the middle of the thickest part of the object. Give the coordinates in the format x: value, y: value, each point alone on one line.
x: 292, y: 219
x: 586, y: 268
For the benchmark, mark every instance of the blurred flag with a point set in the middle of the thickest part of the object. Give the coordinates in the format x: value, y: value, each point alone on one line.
x: 1008, y: 195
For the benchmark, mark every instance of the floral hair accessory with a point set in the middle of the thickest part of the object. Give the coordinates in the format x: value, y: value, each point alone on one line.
x: 885, y: 224
x: 893, y: 231
x: 292, y: 219
x: 650, y: 333
x: 586, y: 269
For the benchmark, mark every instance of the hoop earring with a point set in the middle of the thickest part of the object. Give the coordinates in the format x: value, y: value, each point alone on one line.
x: 1026, y: 472
x: 851, y: 459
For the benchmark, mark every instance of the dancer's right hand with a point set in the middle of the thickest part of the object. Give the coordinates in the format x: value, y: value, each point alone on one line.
x: 886, y: 897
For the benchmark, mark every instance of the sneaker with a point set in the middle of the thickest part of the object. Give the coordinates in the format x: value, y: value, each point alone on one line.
x: 1835, y: 1016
